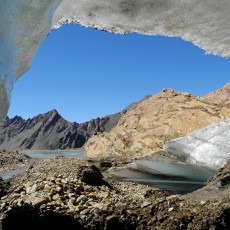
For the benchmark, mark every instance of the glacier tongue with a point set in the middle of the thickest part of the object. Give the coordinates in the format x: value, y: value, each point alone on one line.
x: 25, y: 23
x: 209, y: 146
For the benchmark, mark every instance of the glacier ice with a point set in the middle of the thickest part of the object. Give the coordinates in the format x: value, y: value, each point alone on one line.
x: 193, y: 172
x: 25, y: 23
x: 202, y: 22
x: 209, y: 146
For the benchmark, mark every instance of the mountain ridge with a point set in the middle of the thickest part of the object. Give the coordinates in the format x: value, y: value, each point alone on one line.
x: 141, y: 127
x: 154, y: 121
x: 51, y: 131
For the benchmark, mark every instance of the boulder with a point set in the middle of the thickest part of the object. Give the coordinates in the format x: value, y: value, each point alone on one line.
x: 91, y: 175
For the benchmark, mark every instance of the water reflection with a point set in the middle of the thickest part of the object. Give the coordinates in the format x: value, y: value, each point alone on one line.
x: 47, y: 154
x: 171, y: 177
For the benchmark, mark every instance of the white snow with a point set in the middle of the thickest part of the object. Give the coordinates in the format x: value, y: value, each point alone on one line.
x: 24, y: 24
x: 209, y: 146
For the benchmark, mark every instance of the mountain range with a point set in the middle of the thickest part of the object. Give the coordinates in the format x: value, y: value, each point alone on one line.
x: 51, y: 131
x: 141, y: 128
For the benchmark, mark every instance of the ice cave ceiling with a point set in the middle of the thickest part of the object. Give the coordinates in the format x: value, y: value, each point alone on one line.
x: 24, y: 24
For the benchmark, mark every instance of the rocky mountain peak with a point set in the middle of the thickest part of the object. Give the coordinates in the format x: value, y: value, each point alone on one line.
x: 220, y: 95
x: 51, y: 114
x: 51, y: 131
x: 17, y: 119
x: 167, y: 90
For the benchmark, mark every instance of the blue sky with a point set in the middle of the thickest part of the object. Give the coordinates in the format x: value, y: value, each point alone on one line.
x: 85, y: 73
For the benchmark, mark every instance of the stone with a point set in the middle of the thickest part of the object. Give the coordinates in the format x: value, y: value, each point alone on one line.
x: 4, y: 186
x: 203, y: 202
x: 64, y: 181
x: 123, y: 212
x: 47, y: 188
x: 112, y: 223
x: 85, y: 211
x: 103, y: 194
x: 56, y: 197
x: 91, y: 175
x: 180, y: 216
x: 145, y: 204
x: 59, y: 189
x: 81, y: 198
x: 225, y: 180
x: 106, y: 164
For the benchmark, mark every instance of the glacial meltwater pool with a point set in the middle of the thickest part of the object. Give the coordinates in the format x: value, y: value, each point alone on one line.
x: 171, y: 177
x: 41, y: 155
x: 47, y: 154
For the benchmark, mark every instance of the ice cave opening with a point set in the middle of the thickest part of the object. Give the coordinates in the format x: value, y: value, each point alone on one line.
x: 76, y: 62
x: 24, y: 24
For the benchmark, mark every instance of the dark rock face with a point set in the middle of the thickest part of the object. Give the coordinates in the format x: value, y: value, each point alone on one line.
x: 90, y: 175
x: 112, y: 223
x: 51, y: 131
x: 225, y: 180
x: 4, y: 186
x: 27, y: 217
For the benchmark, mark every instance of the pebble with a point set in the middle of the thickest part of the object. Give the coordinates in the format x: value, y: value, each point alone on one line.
x: 145, y: 204
x: 85, y: 212
x: 203, y: 202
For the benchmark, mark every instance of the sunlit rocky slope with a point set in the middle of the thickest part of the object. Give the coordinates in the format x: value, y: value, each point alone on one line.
x: 157, y: 119
x: 220, y: 95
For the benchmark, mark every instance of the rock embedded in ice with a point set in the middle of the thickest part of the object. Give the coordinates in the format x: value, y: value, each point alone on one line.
x: 209, y: 146
x: 24, y: 24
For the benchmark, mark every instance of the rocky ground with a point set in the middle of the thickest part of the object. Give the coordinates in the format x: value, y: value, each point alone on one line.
x: 220, y: 95
x: 73, y: 194
x: 10, y: 160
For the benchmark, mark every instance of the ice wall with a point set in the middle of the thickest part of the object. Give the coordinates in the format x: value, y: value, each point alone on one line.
x: 209, y: 146
x: 202, y: 22
x: 25, y: 23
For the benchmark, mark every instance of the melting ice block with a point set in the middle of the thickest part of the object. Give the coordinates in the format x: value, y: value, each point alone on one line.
x: 209, y: 146
x: 24, y: 24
